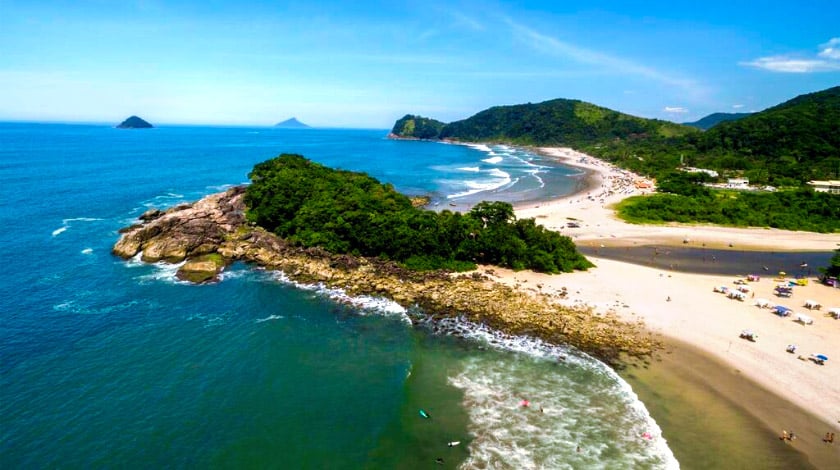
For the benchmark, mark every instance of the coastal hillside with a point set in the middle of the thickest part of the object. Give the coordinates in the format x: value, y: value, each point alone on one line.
x: 714, y: 119
x: 786, y: 145
x: 555, y: 122
x: 417, y: 127
x: 792, y: 142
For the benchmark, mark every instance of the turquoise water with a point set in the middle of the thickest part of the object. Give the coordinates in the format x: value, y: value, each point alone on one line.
x: 108, y: 363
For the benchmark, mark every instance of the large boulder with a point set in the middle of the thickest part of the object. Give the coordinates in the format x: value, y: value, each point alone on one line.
x: 185, y: 231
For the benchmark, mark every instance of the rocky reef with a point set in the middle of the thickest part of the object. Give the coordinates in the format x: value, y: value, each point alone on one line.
x: 213, y: 232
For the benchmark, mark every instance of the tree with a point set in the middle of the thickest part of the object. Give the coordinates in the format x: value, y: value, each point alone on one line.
x: 833, y: 268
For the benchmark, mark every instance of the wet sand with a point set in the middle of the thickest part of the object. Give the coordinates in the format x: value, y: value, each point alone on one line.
x: 714, y: 417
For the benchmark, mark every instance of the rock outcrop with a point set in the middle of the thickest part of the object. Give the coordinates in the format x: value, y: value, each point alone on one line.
x: 213, y: 232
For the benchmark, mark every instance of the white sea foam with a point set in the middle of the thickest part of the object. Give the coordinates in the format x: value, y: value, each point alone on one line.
x: 67, y: 223
x: 220, y: 187
x: 493, y: 160
x: 575, y: 413
x: 87, y: 251
x: 480, y: 147
x: 163, y: 271
x: 269, y: 318
x: 365, y: 305
x: 498, y: 179
x: 473, y: 169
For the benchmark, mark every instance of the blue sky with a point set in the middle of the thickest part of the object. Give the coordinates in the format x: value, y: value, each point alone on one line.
x: 365, y: 64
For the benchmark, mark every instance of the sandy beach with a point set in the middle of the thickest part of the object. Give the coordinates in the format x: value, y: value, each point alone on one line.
x: 683, y: 306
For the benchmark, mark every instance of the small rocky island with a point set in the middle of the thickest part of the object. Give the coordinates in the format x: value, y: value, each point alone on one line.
x: 292, y: 123
x: 134, y: 122
x: 210, y: 234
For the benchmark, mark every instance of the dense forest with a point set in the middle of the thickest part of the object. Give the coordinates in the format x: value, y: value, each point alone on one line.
x: 786, y: 145
x: 348, y: 212
x: 683, y: 198
x: 417, y: 127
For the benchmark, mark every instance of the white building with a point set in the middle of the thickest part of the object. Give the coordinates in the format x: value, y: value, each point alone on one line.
x: 829, y: 186
x: 738, y: 183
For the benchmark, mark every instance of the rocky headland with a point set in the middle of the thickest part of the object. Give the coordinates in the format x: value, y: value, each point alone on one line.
x: 213, y: 232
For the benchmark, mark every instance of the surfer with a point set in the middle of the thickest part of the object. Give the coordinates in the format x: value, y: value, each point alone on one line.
x: 455, y: 443
x: 439, y: 460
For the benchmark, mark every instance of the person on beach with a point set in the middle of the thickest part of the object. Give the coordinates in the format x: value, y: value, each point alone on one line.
x: 784, y: 435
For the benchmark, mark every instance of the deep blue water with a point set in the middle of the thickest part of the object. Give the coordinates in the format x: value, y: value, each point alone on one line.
x: 108, y: 363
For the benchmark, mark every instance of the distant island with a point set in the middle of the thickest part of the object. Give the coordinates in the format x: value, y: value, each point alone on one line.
x: 714, y: 119
x: 292, y: 123
x: 134, y: 122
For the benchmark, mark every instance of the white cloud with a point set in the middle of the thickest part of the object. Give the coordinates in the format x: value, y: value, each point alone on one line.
x: 831, y: 49
x: 737, y: 106
x: 675, y: 109
x: 792, y: 65
x: 827, y: 60
x: 553, y: 46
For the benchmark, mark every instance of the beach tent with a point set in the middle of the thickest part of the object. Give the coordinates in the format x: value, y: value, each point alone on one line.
x: 804, y: 319
x: 762, y: 303
x: 753, y: 278
x: 744, y: 289
x: 834, y: 312
x: 812, y: 304
x: 721, y: 289
x: 737, y: 295
x: 784, y: 291
x: 782, y: 311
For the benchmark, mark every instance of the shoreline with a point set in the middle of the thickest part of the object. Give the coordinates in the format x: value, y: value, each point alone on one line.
x: 693, y: 395
x: 598, y: 224
x: 697, y: 318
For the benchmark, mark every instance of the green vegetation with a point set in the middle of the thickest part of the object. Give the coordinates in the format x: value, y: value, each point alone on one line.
x: 784, y: 146
x: 417, y: 127
x: 684, y: 199
x: 714, y: 119
x: 833, y: 268
x: 346, y: 212
x: 559, y: 122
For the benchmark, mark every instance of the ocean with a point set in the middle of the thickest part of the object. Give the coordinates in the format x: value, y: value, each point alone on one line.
x: 113, y: 363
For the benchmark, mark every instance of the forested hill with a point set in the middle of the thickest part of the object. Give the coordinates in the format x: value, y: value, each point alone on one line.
x: 555, y: 122
x: 714, y: 119
x: 798, y: 139
x: 785, y: 145
x: 558, y: 122
x: 417, y: 127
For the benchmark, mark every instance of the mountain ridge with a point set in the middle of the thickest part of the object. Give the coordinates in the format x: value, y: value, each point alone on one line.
x: 707, y: 122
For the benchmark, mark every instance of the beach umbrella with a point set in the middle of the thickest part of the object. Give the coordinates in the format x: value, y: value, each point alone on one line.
x: 821, y: 357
